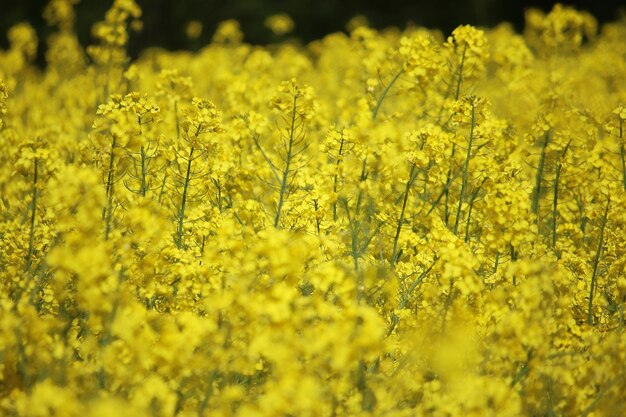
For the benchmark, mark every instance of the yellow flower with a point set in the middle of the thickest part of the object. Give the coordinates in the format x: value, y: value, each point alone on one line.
x: 420, y: 57
x: 228, y: 32
x: 193, y: 29
x: 201, y: 118
x: 279, y: 24
x: 471, y: 50
x: 293, y: 99
x: 23, y: 38
x: 562, y: 29
x: 620, y: 111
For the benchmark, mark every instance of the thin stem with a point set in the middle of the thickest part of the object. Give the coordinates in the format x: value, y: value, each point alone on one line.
x: 623, y: 156
x: 162, y: 191
x: 523, y: 370
x: 596, y: 262
x: 336, y: 176
x: 219, y: 195
x: 207, y: 394
x: 267, y: 159
x: 555, y: 200
x: 465, y: 172
x: 409, y: 183
x: 601, y: 394
x: 384, y: 93
x: 539, y: 176
x: 109, y: 190
x: 181, y: 212
x: 362, y: 178
x: 143, y: 187
x: 496, y: 262
x: 405, y: 296
x: 177, y: 120
x: 109, y: 214
x: 471, y: 207
x: 355, y: 225
x: 31, y: 237
x: 622, y: 151
x: 356, y: 253
x: 111, y: 162
x: 285, y: 177
x: 459, y: 80
x: 446, y: 189
x: 457, y: 94
x: 22, y: 363
x: 446, y: 307
x: 318, y: 221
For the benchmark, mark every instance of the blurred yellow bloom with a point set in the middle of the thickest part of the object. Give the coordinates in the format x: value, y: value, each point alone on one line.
x: 280, y: 24
x: 193, y: 29
x: 228, y: 32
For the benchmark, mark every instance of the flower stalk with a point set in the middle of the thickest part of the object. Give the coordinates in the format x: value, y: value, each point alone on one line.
x: 596, y: 263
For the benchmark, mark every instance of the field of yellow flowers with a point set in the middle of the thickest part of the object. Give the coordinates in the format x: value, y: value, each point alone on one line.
x: 380, y: 223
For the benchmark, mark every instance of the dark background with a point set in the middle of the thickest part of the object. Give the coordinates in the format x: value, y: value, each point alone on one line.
x: 165, y: 20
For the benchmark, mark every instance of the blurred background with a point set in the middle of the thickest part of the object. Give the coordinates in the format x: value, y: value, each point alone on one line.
x: 166, y: 22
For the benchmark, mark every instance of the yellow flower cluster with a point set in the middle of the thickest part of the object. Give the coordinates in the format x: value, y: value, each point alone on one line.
x: 200, y: 118
x: 380, y: 223
x: 563, y: 28
x: 280, y: 24
x: 4, y: 95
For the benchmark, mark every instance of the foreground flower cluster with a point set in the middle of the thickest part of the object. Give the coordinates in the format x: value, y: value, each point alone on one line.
x: 383, y: 223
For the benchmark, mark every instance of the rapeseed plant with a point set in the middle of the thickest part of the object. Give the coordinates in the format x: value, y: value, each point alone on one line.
x: 410, y: 224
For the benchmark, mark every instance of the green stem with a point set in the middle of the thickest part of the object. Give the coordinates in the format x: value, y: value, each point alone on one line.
x: 622, y: 151
x: 384, y: 93
x: 107, y: 214
x: 22, y: 363
x: 336, y: 176
x: 177, y: 120
x: 539, y: 176
x: 362, y: 178
x: 513, y: 259
x: 219, y: 195
x: 446, y: 307
x: 143, y: 187
x: 465, y: 173
x: 31, y: 237
x: 409, y: 182
x: 318, y: 221
x: 459, y: 80
x: 183, y: 204
x: 405, y: 296
x: 596, y: 262
x: 496, y: 262
x: 285, y: 178
x: 208, y: 393
x: 523, y: 370
x: 162, y: 191
x: 111, y: 162
x: 555, y: 203
x: 446, y: 189
x: 555, y: 198
x: 355, y: 225
x: 368, y: 398
x: 471, y: 207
